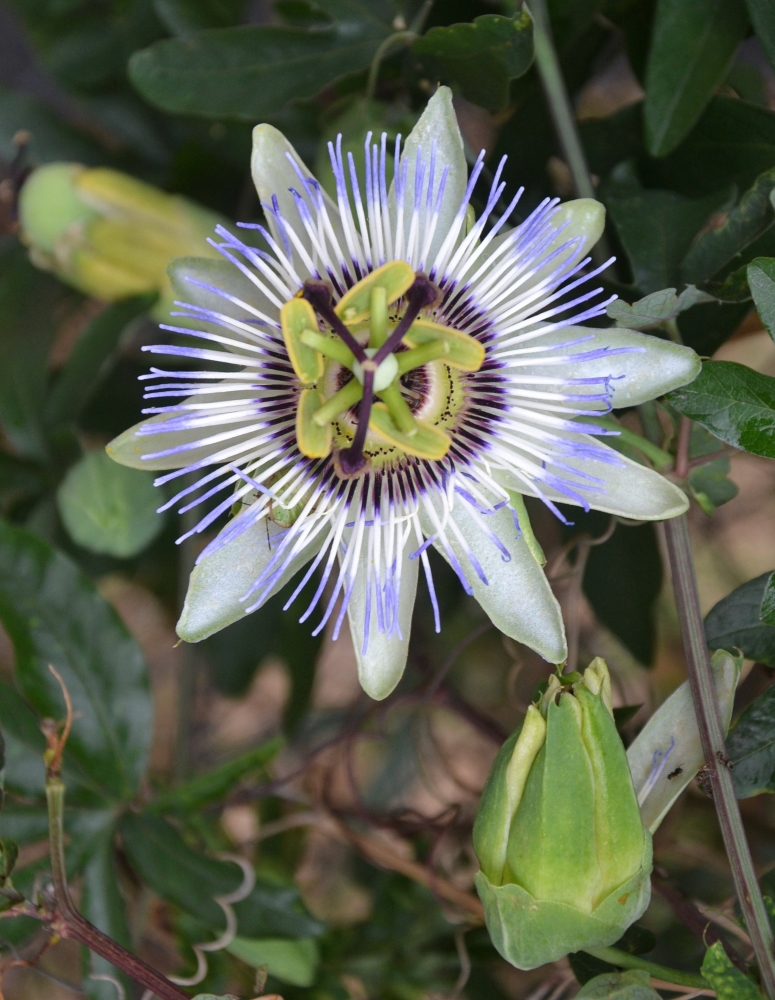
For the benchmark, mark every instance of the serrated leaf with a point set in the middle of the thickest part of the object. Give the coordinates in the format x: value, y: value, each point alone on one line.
x: 108, y: 508
x: 761, y: 280
x: 53, y: 614
x: 656, y: 308
x: 692, y: 47
x: 736, y: 623
x: 728, y: 982
x: 744, y: 223
x: 480, y: 57
x: 250, y: 73
x: 91, y: 357
x: 191, y: 880
x: 751, y: 747
x: 710, y: 484
x: 733, y: 402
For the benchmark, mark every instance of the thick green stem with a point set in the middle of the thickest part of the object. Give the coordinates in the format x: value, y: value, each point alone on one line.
x: 70, y: 922
x: 626, y: 961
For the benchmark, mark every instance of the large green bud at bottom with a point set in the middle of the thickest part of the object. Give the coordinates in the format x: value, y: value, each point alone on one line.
x: 565, y: 858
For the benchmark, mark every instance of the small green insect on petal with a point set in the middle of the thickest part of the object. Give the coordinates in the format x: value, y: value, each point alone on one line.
x: 314, y: 441
x: 296, y: 317
x: 340, y: 402
x: 396, y: 277
x: 465, y: 353
x: 428, y: 442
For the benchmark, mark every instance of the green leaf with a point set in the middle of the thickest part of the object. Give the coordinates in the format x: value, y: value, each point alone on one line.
x: 761, y: 280
x: 763, y: 17
x: 767, y: 607
x: 103, y: 905
x: 751, y: 747
x: 656, y: 228
x: 736, y: 622
x: 728, y: 982
x: 27, y: 301
x: 632, y: 985
x: 480, y: 57
x: 692, y: 47
x: 746, y: 221
x: 191, y: 880
x: 53, y: 615
x: 656, y: 308
x: 91, y: 358
x: 250, y: 73
x: 733, y: 402
x: 710, y: 484
x: 109, y: 508
x: 293, y: 962
x: 214, y: 785
x: 184, y: 17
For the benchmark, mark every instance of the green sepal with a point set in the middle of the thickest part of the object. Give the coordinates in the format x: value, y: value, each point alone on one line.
x: 529, y: 933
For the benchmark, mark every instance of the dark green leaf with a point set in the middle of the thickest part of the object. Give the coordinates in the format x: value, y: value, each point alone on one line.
x: 54, y: 615
x: 184, y: 17
x: 191, y: 880
x: 214, y: 785
x: 747, y: 220
x: 736, y: 623
x: 481, y: 58
x: 103, y: 905
x: 19, y: 479
x: 761, y: 280
x: 24, y: 823
x: 751, y: 747
x: 733, y: 402
x: 656, y: 228
x: 91, y: 357
x: 251, y: 73
x: 728, y: 982
x: 27, y: 300
x: 767, y: 608
x: 710, y: 484
x: 301, y: 13
x: 707, y: 326
x: 692, y: 47
x: 109, y: 508
x: 763, y: 17
x: 622, y: 580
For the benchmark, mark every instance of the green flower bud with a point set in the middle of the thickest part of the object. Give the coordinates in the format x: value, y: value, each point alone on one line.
x: 108, y: 234
x: 565, y: 858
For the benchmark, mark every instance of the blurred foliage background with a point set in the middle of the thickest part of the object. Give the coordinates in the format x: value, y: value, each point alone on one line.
x: 258, y: 742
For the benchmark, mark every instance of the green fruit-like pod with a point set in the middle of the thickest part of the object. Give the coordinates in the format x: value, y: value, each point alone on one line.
x: 529, y: 932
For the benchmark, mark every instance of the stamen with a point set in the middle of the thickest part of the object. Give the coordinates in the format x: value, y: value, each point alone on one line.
x: 318, y: 294
x: 422, y: 294
x: 352, y: 461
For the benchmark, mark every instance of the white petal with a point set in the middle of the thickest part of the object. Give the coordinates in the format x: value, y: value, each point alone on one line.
x: 517, y: 596
x: 222, y: 274
x: 273, y: 174
x: 436, y: 124
x: 651, y: 367
x: 629, y: 489
x: 672, y: 731
x: 381, y: 667
x: 582, y: 218
x: 219, y: 581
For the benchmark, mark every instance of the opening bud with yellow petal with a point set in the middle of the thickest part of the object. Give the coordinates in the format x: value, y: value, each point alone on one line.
x: 108, y: 234
x: 565, y: 858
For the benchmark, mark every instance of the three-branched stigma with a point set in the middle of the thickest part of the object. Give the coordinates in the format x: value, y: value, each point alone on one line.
x: 383, y: 373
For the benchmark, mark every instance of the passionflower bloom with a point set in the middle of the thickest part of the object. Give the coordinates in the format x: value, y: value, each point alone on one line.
x: 384, y: 374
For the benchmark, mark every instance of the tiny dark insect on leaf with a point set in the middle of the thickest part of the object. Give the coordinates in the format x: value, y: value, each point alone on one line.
x: 674, y: 774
